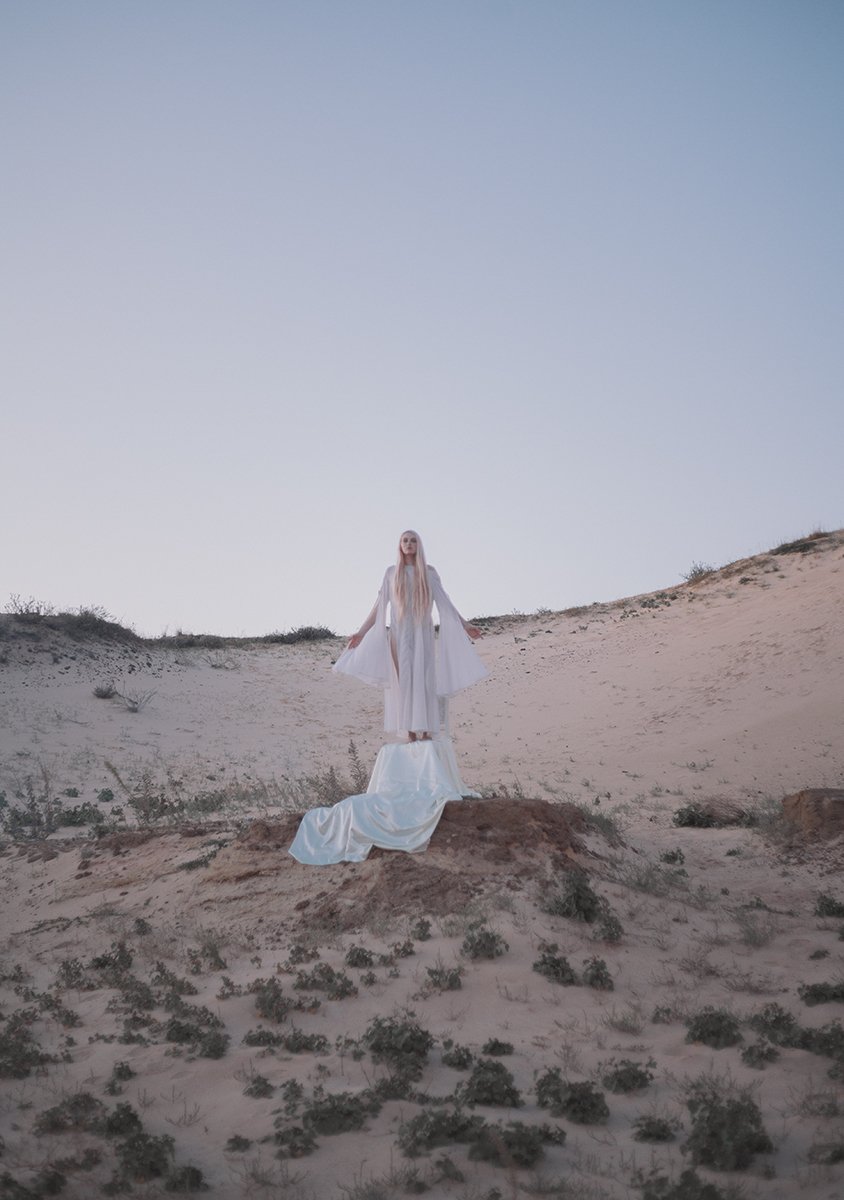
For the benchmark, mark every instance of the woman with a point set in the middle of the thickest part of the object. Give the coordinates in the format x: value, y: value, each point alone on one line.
x: 405, y: 659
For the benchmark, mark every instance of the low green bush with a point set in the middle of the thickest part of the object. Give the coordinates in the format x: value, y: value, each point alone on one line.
x: 623, y: 1075
x: 555, y: 967
x: 482, y: 942
x: 490, y: 1083
x: 713, y: 1027
x: 726, y: 1126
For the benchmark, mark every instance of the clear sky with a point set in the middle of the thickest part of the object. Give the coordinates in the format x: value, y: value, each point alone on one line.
x: 557, y: 283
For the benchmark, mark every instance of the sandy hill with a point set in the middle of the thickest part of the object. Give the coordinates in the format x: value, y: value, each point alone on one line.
x: 322, y: 1032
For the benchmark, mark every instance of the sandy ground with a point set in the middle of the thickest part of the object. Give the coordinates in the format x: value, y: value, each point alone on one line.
x: 728, y: 690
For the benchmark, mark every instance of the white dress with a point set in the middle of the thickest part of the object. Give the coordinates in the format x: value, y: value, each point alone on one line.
x: 413, y: 666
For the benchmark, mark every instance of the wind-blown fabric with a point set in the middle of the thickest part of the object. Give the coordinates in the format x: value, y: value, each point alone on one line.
x: 410, y: 785
x: 406, y: 659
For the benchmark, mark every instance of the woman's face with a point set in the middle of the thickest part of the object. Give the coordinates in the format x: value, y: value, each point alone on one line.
x: 409, y: 545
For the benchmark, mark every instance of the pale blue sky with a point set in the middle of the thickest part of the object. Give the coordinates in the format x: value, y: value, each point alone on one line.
x: 557, y: 284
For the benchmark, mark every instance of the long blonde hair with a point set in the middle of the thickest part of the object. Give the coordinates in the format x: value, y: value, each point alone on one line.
x: 421, y: 600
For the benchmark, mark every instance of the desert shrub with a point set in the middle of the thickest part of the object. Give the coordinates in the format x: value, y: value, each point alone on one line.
x: 663, y: 1014
x: 298, y: 1042
x: 490, y: 1083
x: 496, y: 1048
x: 458, y: 1057
x: 674, y: 858
x: 581, y: 1103
x: 688, y: 1186
x: 259, y: 1087
x: 758, y: 1054
x: 292, y: 1094
x: 437, y: 1127
x: 300, y: 953
x: 294, y: 1141
x: 713, y: 1027
x: 445, y: 979
x: 555, y: 967
x: 237, y: 1144
x: 821, y: 993
x: 185, y: 1179
x: 623, y: 1075
x: 135, y: 995
x: 827, y: 906
x: 70, y: 974
x: 195, y: 1026
x: 121, y: 1072
x: 576, y: 900
x: 49, y: 1181
x: 262, y: 1037
x: 400, y: 1042
x: 81, y: 1112
x: 143, y: 1156
x: 19, y: 1052
x: 826, y: 1153
x: 651, y: 1128
x: 304, y: 633
x: 323, y: 978
x: 482, y: 942
x: 828, y: 1040
x: 80, y: 814
x: 213, y: 1044
x: 122, y: 1121
x: 777, y: 1025
x: 338, y: 1112
x: 692, y: 816
x: 698, y: 570
x: 270, y: 1000
x: 596, y: 975
x: 608, y: 928
x: 726, y: 1125
x: 359, y: 956
x: 164, y: 978
x: 405, y: 949
x: 421, y: 930
x: 514, y: 1144
x: 115, y: 961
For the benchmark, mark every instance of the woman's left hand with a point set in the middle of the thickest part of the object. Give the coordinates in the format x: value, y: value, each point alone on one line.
x: 473, y: 632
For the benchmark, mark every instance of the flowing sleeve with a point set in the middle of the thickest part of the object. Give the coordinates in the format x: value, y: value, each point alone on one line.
x: 458, y: 663
x: 370, y: 660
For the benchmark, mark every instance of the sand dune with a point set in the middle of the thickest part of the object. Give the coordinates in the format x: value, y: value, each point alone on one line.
x: 725, y: 694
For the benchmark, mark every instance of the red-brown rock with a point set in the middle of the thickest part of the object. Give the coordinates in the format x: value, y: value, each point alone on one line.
x: 817, y: 812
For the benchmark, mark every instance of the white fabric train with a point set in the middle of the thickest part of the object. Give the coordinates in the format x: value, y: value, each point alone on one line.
x: 410, y: 785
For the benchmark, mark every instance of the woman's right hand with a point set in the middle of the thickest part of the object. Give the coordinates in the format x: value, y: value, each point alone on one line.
x: 354, y: 640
